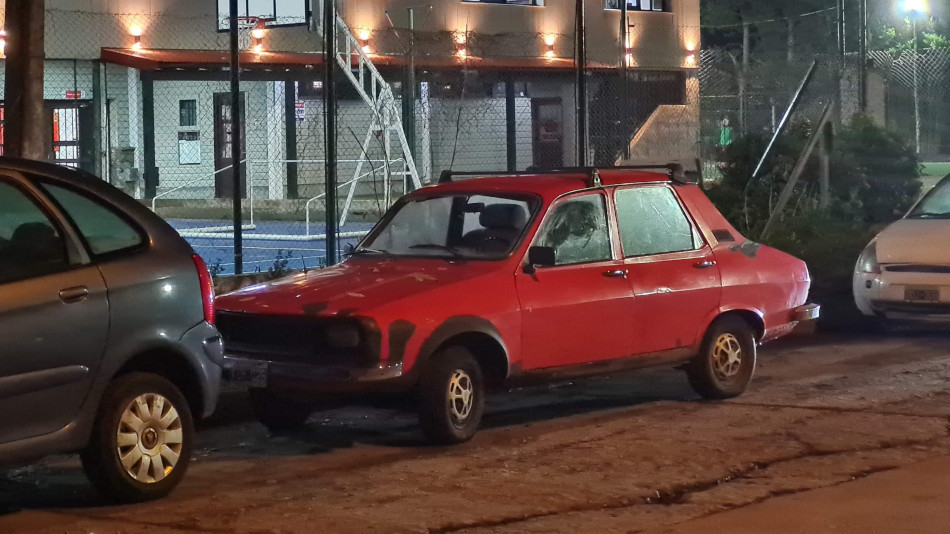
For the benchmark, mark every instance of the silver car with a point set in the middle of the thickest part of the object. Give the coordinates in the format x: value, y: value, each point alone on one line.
x: 107, y: 337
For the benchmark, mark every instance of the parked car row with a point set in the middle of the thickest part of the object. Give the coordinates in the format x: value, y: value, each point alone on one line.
x: 111, y: 330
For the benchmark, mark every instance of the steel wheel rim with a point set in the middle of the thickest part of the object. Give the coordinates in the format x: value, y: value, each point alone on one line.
x: 149, y: 438
x: 727, y: 356
x: 461, y: 397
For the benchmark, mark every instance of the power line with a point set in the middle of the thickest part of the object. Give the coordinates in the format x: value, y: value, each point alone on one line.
x: 766, y: 21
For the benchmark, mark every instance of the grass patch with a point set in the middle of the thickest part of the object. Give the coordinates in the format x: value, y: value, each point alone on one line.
x: 937, y: 169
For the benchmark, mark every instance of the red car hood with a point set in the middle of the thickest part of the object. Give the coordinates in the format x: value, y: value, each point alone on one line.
x: 351, y: 287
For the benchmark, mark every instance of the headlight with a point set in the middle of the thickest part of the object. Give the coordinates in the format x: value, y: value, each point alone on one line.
x: 343, y: 336
x: 867, y: 261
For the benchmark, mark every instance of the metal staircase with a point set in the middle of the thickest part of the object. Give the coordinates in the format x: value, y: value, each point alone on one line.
x: 377, y: 93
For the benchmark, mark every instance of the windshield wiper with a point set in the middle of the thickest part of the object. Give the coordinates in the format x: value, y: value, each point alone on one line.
x: 930, y: 215
x: 365, y: 250
x: 446, y: 248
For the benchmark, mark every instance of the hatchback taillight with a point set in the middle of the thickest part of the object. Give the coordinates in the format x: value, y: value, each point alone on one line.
x: 207, y: 288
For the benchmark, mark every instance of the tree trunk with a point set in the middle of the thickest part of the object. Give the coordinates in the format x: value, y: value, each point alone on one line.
x: 25, y: 118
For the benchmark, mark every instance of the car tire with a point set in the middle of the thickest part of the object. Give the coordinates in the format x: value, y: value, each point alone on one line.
x: 143, y: 421
x: 279, y: 414
x: 451, y: 397
x: 726, y: 360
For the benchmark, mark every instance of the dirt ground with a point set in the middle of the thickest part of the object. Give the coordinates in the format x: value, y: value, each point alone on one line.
x: 637, y: 453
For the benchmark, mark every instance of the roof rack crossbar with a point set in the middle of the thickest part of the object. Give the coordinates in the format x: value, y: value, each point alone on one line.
x: 675, y: 171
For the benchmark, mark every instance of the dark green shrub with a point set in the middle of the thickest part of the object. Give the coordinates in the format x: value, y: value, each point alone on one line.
x: 874, y: 180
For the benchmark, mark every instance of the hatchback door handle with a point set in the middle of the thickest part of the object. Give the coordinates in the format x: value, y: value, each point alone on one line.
x: 619, y: 273
x: 705, y: 264
x: 72, y: 295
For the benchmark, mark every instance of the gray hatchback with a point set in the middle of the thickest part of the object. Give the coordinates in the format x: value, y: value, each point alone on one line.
x: 107, y: 337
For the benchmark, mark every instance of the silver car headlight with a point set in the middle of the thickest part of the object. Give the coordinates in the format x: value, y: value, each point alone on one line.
x: 867, y: 261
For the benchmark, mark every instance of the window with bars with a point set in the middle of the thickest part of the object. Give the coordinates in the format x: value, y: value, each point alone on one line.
x: 641, y: 5
x: 188, y: 113
x: 508, y: 2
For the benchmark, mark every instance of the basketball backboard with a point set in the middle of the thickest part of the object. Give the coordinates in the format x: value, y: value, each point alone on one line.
x: 273, y: 12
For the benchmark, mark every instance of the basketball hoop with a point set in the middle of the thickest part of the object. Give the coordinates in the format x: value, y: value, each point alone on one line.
x: 249, y: 23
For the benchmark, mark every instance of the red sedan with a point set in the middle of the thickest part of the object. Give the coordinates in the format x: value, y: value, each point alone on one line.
x: 502, y: 280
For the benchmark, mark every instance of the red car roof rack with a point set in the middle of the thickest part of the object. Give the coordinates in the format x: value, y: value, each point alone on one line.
x: 674, y: 170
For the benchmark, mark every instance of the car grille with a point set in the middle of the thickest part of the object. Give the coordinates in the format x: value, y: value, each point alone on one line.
x: 916, y: 268
x: 289, y: 339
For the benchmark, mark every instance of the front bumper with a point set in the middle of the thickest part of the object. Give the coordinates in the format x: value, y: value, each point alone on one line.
x: 263, y: 373
x: 885, y: 294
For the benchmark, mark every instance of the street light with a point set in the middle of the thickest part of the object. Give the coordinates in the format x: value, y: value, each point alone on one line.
x: 916, y: 9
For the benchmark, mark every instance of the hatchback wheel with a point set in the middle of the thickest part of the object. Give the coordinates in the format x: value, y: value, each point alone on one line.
x: 726, y: 361
x: 451, y: 397
x: 279, y: 414
x: 142, y: 439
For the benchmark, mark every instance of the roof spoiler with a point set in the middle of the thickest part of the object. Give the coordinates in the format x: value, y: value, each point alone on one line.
x: 674, y: 170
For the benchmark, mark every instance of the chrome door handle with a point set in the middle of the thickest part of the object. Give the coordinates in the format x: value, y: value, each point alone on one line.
x: 618, y: 273
x: 72, y: 295
x: 705, y: 264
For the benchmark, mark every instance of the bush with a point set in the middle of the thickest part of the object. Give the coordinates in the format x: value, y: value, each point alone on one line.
x: 874, y: 180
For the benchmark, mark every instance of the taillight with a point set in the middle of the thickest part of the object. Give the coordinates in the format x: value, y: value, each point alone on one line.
x: 207, y: 288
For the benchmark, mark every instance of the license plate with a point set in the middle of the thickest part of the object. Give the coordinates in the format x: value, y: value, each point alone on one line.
x: 921, y: 294
x: 252, y: 373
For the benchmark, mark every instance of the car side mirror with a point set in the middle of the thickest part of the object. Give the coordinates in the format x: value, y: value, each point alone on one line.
x: 540, y: 257
x: 349, y: 249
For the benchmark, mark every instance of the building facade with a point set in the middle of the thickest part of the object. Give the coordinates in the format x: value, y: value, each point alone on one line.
x: 137, y: 91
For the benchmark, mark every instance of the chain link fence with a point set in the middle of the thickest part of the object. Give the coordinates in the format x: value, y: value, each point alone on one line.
x: 746, y: 93
x: 144, y: 102
x: 895, y: 81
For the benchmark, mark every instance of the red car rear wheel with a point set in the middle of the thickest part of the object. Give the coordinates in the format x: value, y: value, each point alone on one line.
x: 726, y: 362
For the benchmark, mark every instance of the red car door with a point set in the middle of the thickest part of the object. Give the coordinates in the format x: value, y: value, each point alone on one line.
x: 579, y: 310
x: 672, y: 271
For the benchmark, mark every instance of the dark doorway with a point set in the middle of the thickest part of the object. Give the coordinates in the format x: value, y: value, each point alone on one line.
x: 223, y: 137
x: 548, y: 132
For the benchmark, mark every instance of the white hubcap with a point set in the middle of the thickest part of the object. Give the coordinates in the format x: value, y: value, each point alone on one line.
x: 461, y: 396
x: 727, y: 356
x: 149, y: 438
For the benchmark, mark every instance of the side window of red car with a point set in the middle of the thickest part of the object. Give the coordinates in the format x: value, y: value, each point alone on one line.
x: 577, y: 231
x: 30, y: 244
x: 653, y: 222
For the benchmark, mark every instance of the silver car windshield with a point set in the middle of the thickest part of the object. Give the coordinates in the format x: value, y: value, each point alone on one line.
x: 936, y: 205
x: 462, y: 226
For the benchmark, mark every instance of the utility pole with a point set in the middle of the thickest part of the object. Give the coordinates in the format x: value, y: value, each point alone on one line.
x: 24, y: 132
x: 916, y: 89
x: 625, y: 93
x: 863, y: 53
x: 409, y: 95
x: 580, y: 59
x: 236, y: 141
x: 329, y: 134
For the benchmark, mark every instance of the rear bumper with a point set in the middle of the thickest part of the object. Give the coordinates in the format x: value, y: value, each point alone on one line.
x: 314, y: 379
x: 807, y: 312
x: 804, y: 314
x: 205, y: 351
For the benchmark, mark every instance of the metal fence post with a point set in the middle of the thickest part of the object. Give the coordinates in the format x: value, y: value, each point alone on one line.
x: 236, y: 143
